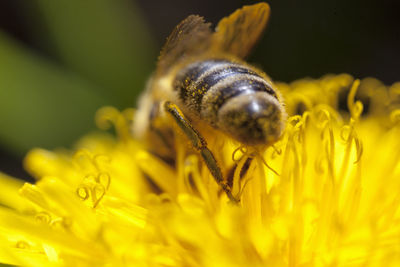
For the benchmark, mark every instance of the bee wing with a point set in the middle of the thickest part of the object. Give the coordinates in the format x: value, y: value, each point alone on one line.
x: 191, y: 36
x: 238, y: 33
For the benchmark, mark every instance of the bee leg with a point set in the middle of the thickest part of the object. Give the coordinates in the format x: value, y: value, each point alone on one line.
x: 200, y: 145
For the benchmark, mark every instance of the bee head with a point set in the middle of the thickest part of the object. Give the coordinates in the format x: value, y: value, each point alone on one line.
x: 253, y: 119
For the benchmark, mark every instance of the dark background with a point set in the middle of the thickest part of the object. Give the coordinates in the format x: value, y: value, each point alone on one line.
x: 307, y: 38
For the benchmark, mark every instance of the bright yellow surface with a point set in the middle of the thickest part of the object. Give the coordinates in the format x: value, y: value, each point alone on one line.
x: 334, y: 203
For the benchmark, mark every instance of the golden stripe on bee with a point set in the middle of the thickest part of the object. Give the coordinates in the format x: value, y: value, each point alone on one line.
x: 202, y: 79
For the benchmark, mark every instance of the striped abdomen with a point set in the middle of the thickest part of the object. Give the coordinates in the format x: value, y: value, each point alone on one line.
x: 233, y: 98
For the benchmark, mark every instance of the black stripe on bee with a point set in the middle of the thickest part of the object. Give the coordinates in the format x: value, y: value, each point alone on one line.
x: 194, y: 71
x: 238, y: 87
x: 197, y: 79
x: 204, y: 85
x: 191, y: 73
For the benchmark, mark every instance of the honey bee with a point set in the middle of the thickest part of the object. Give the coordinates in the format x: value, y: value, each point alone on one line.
x: 202, y: 80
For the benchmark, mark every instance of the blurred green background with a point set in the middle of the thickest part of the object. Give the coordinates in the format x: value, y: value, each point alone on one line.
x: 60, y: 60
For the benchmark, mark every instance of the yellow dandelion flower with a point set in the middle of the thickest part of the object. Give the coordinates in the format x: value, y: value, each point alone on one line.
x: 325, y: 195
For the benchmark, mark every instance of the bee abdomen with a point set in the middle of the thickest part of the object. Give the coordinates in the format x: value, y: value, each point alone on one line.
x: 196, y: 80
x: 233, y: 98
x: 206, y: 85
